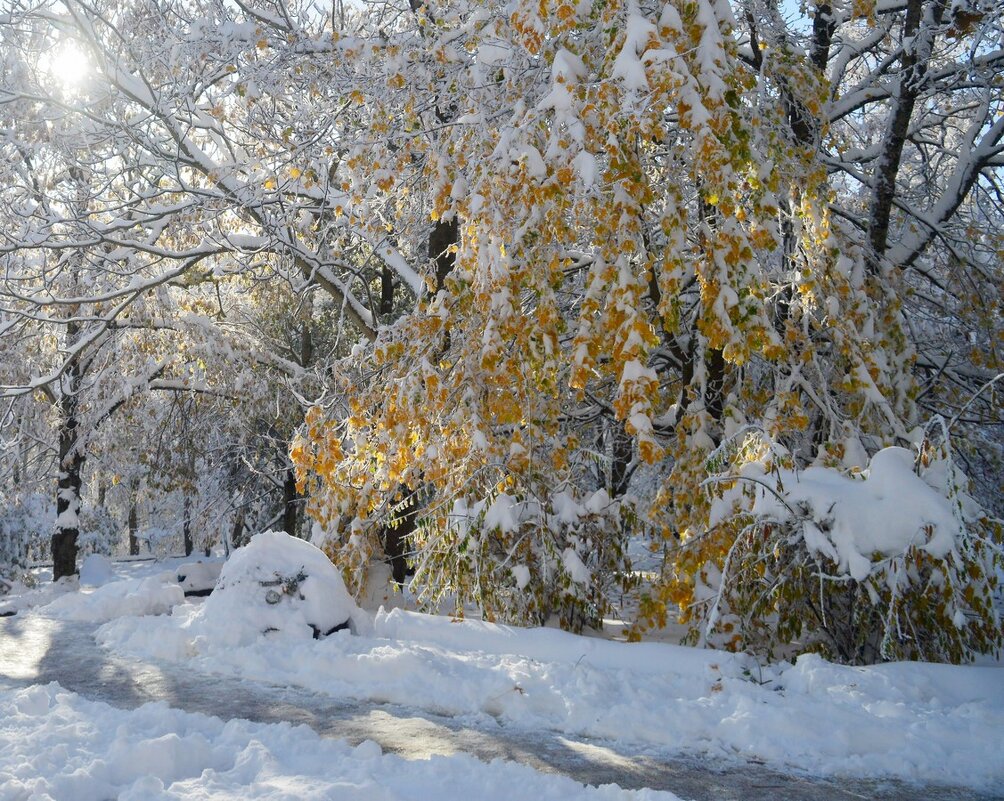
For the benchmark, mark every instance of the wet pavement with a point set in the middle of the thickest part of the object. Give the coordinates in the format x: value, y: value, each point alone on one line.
x: 37, y: 650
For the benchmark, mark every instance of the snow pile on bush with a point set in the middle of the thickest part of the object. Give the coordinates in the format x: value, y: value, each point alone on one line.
x: 25, y: 525
x: 130, y: 598
x: 22, y: 597
x: 893, y: 562
x: 276, y: 585
x: 847, y: 520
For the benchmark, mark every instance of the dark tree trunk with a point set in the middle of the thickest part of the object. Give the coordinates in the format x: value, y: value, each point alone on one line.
x: 441, y: 241
x: 186, y: 526
x: 291, y: 503
x: 386, y: 293
x: 64, y: 539
x: 622, y: 451
x: 237, y: 535
x: 823, y: 26
x: 715, y: 367
x: 714, y: 400
x: 913, y: 70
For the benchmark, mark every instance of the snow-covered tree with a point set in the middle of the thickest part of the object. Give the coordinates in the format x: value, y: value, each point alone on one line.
x: 547, y: 245
x: 135, y: 206
x: 678, y: 219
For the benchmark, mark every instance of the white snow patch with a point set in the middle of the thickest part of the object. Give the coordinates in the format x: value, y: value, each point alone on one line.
x: 502, y: 514
x: 199, y: 576
x: 884, y: 512
x: 578, y: 572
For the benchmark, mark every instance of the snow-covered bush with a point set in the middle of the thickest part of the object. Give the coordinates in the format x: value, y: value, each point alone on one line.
x: 161, y: 541
x: 276, y: 585
x: 25, y: 526
x: 523, y: 562
x: 892, y: 562
x: 198, y: 578
x: 99, y: 533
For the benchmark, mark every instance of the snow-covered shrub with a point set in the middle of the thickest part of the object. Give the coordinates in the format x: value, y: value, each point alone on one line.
x: 523, y: 562
x: 161, y: 541
x: 25, y: 527
x: 276, y: 585
x: 198, y: 578
x: 892, y: 562
x: 128, y: 598
x: 99, y: 533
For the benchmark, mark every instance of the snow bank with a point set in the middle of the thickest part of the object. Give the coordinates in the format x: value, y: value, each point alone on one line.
x: 22, y: 597
x: 916, y: 722
x: 132, y: 597
x: 553, y: 645
x: 279, y: 585
x: 56, y: 745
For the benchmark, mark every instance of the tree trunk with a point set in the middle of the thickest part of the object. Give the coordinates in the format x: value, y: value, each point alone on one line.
x: 186, y: 525
x: 64, y: 539
x: 444, y: 235
x: 71, y: 464
x: 237, y: 534
x: 133, y: 524
x: 621, y: 453
x: 918, y: 32
x: 386, y: 294
x: 291, y: 503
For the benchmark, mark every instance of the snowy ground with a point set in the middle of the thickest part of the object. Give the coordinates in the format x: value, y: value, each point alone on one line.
x: 58, y: 745
x: 923, y: 724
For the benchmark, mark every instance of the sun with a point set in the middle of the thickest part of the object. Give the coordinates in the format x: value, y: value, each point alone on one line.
x: 69, y: 65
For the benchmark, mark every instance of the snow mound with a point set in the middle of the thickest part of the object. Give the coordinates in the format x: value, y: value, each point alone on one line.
x: 276, y: 585
x: 130, y: 598
x: 22, y: 597
x: 96, y: 570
